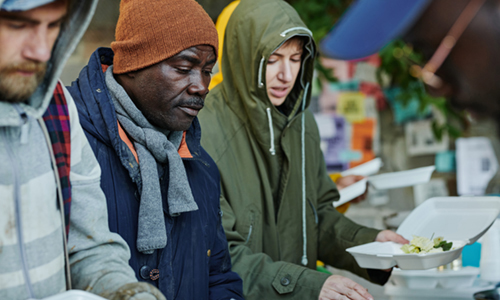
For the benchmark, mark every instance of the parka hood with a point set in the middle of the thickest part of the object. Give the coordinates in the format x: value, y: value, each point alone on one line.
x: 255, y: 30
x: 79, y: 15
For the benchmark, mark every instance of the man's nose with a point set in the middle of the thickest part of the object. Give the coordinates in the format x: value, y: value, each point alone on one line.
x: 38, y: 46
x: 199, y: 85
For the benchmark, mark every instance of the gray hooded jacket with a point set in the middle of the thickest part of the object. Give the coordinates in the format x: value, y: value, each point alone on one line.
x: 32, y: 263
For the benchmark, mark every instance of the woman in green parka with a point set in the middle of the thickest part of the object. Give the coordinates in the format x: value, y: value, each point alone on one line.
x: 277, y: 196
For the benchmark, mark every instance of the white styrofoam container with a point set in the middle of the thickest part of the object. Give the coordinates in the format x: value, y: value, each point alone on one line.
x: 401, y: 179
x: 351, y: 192
x: 462, y: 220
x: 429, y: 279
x: 74, y: 295
x: 368, y: 168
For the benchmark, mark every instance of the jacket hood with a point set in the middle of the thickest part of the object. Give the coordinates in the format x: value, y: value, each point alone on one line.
x: 255, y: 30
x: 79, y: 15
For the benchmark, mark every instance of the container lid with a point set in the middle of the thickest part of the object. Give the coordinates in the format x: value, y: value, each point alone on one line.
x: 401, y: 179
x: 354, y: 190
x: 453, y: 218
x: 366, y: 169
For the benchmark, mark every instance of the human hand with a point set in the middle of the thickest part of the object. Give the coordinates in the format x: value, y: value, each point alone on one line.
x: 390, y: 236
x: 346, y: 181
x: 136, y: 291
x: 338, y: 287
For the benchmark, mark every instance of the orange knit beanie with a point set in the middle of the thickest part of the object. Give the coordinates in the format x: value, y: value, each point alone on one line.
x: 149, y: 32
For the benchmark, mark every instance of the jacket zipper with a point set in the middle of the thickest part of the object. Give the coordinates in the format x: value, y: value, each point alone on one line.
x: 17, y: 202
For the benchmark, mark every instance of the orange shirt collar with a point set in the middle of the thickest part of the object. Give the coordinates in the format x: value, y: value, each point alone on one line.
x: 183, y: 148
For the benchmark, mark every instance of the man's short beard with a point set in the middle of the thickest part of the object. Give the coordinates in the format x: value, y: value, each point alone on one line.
x: 15, y: 87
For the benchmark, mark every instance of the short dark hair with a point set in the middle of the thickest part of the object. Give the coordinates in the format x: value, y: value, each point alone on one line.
x: 300, y: 41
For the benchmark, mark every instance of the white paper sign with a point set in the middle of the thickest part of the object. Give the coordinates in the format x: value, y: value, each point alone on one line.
x: 326, y: 125
x: 476, y: 165
x: 366, y: 72
x: 420, y: 139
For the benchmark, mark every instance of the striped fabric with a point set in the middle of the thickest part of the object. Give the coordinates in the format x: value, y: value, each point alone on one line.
x: 58, y: 124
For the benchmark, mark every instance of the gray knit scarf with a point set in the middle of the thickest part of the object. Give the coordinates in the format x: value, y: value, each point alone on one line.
x: 152, y: 146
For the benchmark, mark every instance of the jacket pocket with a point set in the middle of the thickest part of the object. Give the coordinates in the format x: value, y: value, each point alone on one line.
x: 251, y: 222
x: 251, y: 227
x: 315, y: 212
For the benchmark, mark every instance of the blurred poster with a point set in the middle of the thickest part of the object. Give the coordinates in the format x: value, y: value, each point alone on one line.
x: 366, y: 72
x: 334, y: 133
x: 372, y: 113
x: 374, y: 90
x: 351, y: 105
x: 476, y: 165
x: 362, y: 141
x: 420, y: 139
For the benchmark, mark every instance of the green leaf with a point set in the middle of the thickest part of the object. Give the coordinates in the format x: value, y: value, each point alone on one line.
x: 445, y: 245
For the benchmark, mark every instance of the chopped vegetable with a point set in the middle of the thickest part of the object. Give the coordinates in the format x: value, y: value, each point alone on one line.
x: 420, y: 244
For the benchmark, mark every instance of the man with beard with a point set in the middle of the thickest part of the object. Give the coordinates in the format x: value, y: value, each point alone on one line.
x: 459, y: 40
x: 47, y: 166
x: 138, y: 103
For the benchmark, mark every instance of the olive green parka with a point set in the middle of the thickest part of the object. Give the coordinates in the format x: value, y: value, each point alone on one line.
x: 267, y: 159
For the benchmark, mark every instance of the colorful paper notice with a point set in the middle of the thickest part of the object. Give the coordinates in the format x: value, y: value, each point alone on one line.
x: 351, y: 105
x: 362, y: 141
x: 334, y: 141
x: 375, y: 91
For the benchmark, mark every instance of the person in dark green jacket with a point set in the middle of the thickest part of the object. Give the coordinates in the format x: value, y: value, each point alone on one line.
x: 276, y: 194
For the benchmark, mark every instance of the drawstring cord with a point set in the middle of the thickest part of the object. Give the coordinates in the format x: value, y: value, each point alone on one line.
x: 271, y: 130
x: 302, y: 138
x: 261, y: 65
x: 60, y: 201
x: 283, y: 34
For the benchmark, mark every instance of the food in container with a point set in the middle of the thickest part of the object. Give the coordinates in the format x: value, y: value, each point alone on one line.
x: 421, y: 244
x: 462, y: 220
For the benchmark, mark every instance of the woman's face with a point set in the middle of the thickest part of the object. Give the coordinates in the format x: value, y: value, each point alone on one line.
x: 283, y: 68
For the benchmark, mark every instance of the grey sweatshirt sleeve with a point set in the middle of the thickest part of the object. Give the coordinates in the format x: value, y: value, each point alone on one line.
x: 98, y: 257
